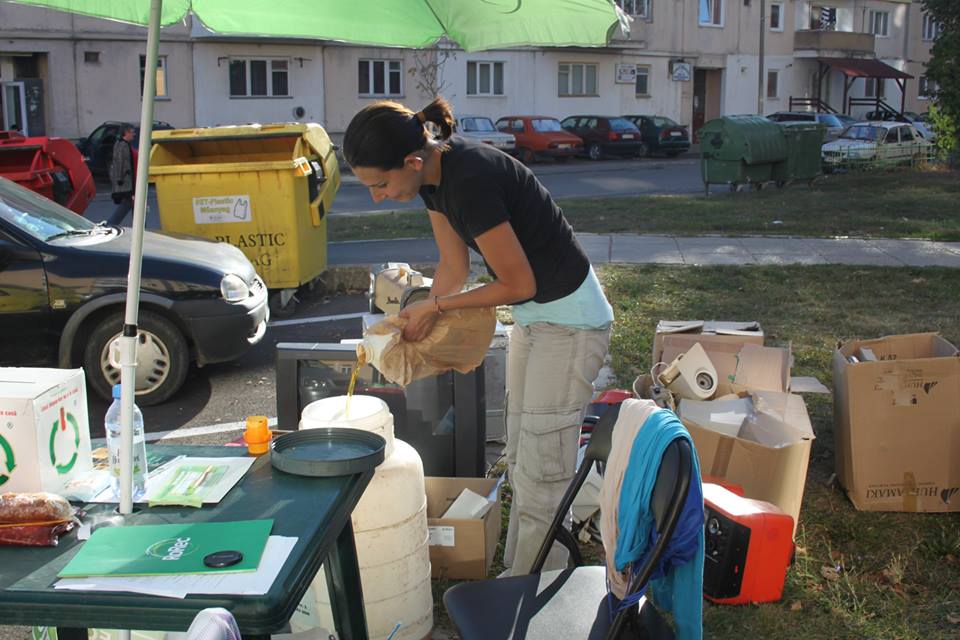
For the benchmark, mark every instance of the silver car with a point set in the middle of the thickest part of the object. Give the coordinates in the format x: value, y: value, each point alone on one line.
x: 481, y: 128
x: 834, y: 125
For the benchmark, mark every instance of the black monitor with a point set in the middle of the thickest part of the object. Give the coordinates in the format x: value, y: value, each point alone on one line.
x: 443, y: 417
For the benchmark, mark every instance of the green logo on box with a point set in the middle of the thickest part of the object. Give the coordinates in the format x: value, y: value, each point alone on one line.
x: 9, y: 463
x: 61, y: 425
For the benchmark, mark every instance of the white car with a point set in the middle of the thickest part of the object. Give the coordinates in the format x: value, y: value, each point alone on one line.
x: 875, y: 141
x: 481, y: 128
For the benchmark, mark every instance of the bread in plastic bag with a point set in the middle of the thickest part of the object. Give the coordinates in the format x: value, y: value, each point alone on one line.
x: 459, y: 340
x: 34, y: 519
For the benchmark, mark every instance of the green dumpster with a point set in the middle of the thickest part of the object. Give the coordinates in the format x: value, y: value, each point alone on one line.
x: 265, y: 189
x: 737, y: 150
x: 803, y: 153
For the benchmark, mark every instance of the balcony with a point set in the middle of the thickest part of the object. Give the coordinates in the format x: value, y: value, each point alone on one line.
x: 833, y: 44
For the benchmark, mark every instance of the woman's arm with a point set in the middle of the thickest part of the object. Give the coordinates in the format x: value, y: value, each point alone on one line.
x: 454, y: 265
x: 515, y: 282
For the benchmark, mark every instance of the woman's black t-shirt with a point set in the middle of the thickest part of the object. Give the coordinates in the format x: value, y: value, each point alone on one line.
x: 481, y: 187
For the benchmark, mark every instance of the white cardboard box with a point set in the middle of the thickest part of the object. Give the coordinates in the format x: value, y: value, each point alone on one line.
x: 44, y: 428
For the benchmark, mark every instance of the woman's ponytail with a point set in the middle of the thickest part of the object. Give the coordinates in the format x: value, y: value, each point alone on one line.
x: 439, y: 113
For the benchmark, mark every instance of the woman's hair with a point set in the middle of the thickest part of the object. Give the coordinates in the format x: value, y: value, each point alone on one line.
x: 382, y: 134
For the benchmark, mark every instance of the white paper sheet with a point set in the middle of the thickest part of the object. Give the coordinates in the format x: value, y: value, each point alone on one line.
x: 211, y: 494
x: 249, y: 583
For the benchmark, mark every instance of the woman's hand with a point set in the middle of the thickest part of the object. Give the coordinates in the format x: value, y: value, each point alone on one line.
x: 420, y: 316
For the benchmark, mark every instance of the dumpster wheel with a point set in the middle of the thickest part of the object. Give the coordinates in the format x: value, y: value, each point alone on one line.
x: 283, y: 303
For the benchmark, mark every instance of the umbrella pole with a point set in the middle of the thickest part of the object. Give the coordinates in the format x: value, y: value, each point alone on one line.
x: 128, y: 342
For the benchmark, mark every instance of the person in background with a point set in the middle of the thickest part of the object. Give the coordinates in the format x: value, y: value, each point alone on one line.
x: 121, y: 176
x: 480, y: 198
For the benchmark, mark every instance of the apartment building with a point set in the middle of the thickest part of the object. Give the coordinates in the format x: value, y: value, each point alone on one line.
x: 691, y: 60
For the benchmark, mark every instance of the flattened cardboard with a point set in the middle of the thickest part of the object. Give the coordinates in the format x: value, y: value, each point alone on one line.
x: 897, y: 423
x: 775, y: 472
x: 762, y: 368
x: 461, y: 549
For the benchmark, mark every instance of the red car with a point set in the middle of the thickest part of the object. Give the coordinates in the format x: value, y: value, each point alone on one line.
x: 540, y: 137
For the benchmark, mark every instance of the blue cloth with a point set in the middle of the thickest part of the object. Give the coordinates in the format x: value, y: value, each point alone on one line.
x: 677, y: 581
x: 586, y: 308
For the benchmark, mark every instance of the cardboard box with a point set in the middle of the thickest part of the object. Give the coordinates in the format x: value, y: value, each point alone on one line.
x: 461, y: 549
x: 897, y: 423
x: 770, y: 454
x: 721, y: 340
x: 45, y: 434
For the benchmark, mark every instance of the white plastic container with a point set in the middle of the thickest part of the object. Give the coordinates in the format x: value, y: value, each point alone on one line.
x: 389, y: 527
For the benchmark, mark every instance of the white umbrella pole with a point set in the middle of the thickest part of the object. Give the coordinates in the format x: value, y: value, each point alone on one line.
x: 128, y: 342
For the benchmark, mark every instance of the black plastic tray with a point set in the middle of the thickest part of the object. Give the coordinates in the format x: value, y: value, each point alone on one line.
x: 328, y: 451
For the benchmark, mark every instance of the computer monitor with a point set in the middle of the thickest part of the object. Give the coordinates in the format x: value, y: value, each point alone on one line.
x: 443, y: 417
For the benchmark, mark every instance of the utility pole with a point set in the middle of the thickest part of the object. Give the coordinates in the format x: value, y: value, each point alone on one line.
x: 760, y: 73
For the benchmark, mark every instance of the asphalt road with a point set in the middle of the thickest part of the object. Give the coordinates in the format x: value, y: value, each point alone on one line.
x: 572, y: 179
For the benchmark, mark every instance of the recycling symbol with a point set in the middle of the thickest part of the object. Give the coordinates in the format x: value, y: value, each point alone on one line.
x: 9, y: 463
x: 62, y: 424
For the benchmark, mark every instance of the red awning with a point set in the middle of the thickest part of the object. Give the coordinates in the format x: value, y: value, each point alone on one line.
x: 864, y: 68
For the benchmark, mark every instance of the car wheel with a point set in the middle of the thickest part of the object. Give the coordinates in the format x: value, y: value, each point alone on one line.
x: 163, y: 358
x: 643, y: 150
x: 526, y: 156
x: 595, y: 152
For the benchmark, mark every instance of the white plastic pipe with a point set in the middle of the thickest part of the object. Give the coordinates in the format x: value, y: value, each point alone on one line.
x: 128, y: 342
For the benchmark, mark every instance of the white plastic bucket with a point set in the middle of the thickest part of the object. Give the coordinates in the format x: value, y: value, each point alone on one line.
x: 366, y: 412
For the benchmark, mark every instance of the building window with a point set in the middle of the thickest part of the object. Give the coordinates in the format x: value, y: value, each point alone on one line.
x: 711, y: 13
x: 776, y: 16
x: 643, y: 81
x: 484, y: 78
x: 161, y: 75
x: 927, y: 88
x: 931, y: 28
x: 773, y: 83
x: 254, y: 78
x: 635, y: 8
x: 577, y: 79
x: 93, y: 57
x: 880, y: 23
x: 823, y: 18
x: 874, y: 88
x: 379, y: 78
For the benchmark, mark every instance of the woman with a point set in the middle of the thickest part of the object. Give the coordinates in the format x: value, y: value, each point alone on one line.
x: 482, y: 199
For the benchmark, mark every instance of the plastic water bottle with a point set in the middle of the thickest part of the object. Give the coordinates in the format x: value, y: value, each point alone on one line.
x: 112, y: 424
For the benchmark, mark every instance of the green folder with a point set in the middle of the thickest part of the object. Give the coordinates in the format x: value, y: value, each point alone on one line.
x: 165, y: 549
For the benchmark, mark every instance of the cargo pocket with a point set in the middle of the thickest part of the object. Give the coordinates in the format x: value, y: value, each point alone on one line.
x: 547, y: 446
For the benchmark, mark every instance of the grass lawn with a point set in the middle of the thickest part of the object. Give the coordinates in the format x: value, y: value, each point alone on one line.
x: 894, y: 204
x: 900, y: 572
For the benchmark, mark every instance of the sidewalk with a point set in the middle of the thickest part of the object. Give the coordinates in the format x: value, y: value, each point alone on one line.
x: 683, y: 250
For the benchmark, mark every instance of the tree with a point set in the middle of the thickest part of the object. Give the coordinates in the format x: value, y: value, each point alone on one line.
x: 427, y: 69
x: 944, y: 65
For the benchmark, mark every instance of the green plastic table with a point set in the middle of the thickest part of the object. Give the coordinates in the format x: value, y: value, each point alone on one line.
x: 314, y: 510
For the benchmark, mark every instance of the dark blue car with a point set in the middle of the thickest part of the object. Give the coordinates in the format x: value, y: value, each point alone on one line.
x: 661, y: 135
x: 63, y: 282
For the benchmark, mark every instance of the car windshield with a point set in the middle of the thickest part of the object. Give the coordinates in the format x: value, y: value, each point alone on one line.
x: 863, y: 132
x: 546, y: 124
x: 830, y: 120
x: 41, y: 218
x: 477, y: 124
x: 621, y: 124
x: 660, y: 121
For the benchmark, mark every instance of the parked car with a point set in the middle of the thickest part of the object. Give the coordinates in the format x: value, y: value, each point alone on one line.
x: 846, y: 120
x: 878, y: 141
x: 540, y: 137
x: 63, y: 283
x: 97, y: 148
x: 661, y: 134
x: 911, y: 117
x: 481, y: 128
x: 605, y: 135
x: 834, y: 125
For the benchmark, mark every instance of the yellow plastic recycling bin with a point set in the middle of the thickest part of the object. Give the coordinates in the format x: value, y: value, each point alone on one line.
x: 264, y: 188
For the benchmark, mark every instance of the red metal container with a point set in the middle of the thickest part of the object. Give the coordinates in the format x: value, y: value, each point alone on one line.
x: 53, y: 167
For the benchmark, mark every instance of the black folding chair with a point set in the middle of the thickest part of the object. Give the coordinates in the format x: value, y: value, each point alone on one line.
x: 572, y: 603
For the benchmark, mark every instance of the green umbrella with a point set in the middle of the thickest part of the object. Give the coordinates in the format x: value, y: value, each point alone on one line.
x: 472, y: 24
